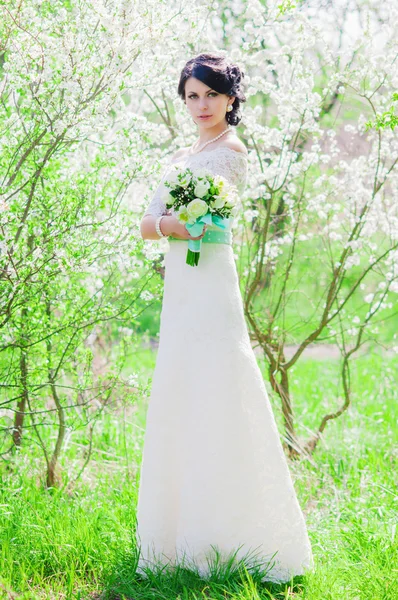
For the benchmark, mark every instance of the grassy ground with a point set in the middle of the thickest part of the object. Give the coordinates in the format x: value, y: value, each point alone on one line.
x: 79, y: 543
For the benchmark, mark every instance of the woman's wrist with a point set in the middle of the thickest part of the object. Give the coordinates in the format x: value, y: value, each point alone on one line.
x: 167, y: 225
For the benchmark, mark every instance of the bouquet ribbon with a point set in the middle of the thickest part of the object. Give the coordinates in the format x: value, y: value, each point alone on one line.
x: 196, y: 229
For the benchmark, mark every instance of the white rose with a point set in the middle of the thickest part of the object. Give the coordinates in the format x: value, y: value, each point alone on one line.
x: 167, y: 198
x: 201, y: 188
x: 185, y: 180
x: 218, y: 202
x: 232, y: 200
x: 172, y: 177
x: 196, y: 208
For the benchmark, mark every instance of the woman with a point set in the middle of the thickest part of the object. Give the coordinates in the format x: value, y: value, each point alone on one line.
x: 214, y: 478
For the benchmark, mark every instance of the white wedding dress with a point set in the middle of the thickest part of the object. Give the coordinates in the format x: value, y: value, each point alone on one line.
x: 214, y: 476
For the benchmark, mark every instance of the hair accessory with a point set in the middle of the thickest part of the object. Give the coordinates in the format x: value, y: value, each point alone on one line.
x: 234, y: 74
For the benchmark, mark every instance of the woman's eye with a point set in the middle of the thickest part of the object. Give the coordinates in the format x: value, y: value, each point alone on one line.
x: 210, y: 94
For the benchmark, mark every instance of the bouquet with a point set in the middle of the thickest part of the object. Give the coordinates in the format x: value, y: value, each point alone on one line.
x: 199, y: 199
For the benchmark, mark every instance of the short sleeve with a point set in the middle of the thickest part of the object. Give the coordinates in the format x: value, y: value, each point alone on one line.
x: 156, y: 207
x: 234, y: 168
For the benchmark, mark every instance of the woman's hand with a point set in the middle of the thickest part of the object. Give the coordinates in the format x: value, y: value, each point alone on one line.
x: 170, y: 225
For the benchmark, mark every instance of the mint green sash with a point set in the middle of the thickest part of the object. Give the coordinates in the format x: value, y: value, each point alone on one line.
x: 211, y: 236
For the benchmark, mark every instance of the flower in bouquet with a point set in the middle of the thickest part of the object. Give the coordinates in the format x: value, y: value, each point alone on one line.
x: 199, y: 199
x: 196, y: 208
x: 201, y: 188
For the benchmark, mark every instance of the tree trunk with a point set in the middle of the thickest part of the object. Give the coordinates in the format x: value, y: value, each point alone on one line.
x: 54, y: 477
x: 21, y: 406
x: 282, y: 389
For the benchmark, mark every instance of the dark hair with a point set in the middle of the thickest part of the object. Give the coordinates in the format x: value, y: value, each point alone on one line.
x: 220, y: 75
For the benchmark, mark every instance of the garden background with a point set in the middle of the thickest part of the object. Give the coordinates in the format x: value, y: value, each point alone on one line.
x: 89, y: 116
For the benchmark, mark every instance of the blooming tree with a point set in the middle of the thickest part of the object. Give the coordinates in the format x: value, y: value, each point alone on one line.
x: 322, y: 187
x: 89, y: 113
x: 71, y: 146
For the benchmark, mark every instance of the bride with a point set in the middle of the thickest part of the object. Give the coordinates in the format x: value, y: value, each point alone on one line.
x: 214, y: 479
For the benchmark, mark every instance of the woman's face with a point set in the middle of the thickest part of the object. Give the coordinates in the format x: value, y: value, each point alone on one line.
x: 202, y: 100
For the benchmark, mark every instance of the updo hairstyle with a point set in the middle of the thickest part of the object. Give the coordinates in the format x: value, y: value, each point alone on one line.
x: 220, y: 75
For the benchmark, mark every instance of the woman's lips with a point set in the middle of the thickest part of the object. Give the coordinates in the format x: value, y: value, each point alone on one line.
x: 204, y: 117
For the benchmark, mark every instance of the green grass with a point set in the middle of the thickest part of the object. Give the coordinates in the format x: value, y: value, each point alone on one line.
x: 79, y: 542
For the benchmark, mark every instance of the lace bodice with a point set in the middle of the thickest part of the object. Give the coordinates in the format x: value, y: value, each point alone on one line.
x: 222, y: 160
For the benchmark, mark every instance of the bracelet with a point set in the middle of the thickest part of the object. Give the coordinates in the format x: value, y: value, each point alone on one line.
x: 157, y: 226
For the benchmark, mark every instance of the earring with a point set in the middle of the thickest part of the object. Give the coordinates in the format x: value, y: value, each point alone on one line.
x: 229, y: 107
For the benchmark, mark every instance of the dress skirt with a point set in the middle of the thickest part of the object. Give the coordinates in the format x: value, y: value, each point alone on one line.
x: 214, y: 479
